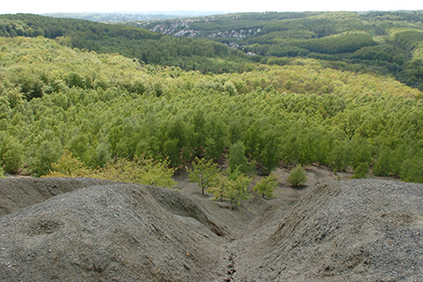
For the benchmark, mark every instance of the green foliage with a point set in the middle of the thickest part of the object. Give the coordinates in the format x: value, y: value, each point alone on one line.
x: 382, y: 42
x: 237, y: 159
x: 412, y: 168
x: 215, y: 141
x: 361, y: 171
x: 297, y: 176
x: 299, y: 113
x: 203, y: 172
x: 237, y: 189
x: 133, y: 42
x: 389, y: 53
x: 266, y: 186
x: 234, y: 187
x: 269, y: 156
x: 48, y: 152
x: 69, y: 166
x: 218, y: 186
x: 2, y: 172
x: 140, y: 170
x: 382, y: 167
x: 11, y: 154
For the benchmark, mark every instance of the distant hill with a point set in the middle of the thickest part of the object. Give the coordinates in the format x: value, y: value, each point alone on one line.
x: 390, y: 42
x: 379, y: 42
x: 130, y: 16
x: 133, y: 42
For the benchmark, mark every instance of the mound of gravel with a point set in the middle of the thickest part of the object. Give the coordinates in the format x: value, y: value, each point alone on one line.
x: 18, y: 193
x: 355, y: 230
x: 109, y: 232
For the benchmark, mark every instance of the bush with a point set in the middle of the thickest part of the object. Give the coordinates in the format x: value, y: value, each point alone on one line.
x: 297, y: 176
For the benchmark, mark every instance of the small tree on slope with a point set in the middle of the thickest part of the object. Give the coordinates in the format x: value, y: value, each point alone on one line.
x: 297, y: 176
x: 266, y: 186
x: 203, y: 172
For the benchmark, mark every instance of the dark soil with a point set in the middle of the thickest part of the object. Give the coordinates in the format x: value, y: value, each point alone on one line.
x: 92, y: 230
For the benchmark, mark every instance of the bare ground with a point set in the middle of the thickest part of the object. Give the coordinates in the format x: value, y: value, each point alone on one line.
x: 327, y: 230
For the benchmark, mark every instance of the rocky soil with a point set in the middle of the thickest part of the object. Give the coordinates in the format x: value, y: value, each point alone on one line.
x: 327, y: 230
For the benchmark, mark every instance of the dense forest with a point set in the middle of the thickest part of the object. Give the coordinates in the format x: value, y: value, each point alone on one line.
x: 103, y: 106
x: 58, y: 97
x: 133, y: 42
x: 387, y: 42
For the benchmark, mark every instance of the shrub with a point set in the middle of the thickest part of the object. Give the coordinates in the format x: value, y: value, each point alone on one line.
x: 297, y: 176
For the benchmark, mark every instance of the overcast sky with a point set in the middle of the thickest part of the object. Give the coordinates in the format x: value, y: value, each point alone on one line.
x: 72, y: 6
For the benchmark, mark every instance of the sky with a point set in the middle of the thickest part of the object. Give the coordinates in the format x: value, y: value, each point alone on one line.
x: 76, y: 6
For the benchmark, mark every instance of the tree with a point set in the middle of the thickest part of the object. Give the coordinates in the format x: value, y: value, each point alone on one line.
x: 218, y: 186
x: 233, y: 187
x: 216, y: 136
x: 269, y: 156
x: 48, y: 152
x: 266, y: 186
x: 11, y: 154
x: 68, y: 166
x: 412, y: 168
x: 203, y: 172
x: 237, y: 159
x: 382, y: 167
x: 2, y: 172
x: 361, y: 170
x: 237, y: 189
x: 297, y: 176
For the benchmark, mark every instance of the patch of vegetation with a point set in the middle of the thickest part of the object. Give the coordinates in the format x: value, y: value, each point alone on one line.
x: 297, y: 176
x: 266, y: 186
x: 140, y: 170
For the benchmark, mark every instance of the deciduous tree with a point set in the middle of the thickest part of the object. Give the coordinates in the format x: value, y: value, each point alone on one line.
x: 266, y: 186
x: 203, y: 172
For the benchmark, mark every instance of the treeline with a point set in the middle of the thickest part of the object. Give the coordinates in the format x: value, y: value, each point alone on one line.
x: 102, y: 107
x: 132, y: 42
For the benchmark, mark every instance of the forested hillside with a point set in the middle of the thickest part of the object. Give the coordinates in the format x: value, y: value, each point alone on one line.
x: 385, y: 42
x: 132, y: 42
x: 100, y: 107
x: 376, y: 42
